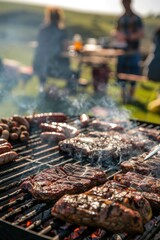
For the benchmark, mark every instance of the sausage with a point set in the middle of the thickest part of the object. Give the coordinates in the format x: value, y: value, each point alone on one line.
x: 84, y: 118
x: 21, y: 121
x: 51, y: 127
x: 8, y: 157
x: 47, y: 117
x: 4, y: 148
x: 6, y: 144
x: 102, y: 125
x: 68, y: 130
x: 52, y: 137
x: 2, y: 140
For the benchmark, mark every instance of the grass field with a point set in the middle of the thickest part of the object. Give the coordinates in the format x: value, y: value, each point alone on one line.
x: 19, y: 26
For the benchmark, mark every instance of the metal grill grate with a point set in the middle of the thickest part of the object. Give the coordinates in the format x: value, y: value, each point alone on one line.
x: 22, y: 217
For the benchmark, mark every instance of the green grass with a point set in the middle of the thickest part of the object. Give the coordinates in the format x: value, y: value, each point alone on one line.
x: 19, y: 25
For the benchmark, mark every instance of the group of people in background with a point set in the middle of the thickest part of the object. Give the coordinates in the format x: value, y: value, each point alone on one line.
x: 50, y: 60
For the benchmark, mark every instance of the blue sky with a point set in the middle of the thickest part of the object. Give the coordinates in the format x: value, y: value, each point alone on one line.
x: 104, y: 6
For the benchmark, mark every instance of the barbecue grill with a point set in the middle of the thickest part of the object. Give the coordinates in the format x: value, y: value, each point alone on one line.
x: 22, y: 217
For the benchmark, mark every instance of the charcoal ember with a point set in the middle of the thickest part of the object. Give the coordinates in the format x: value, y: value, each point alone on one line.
x: 84, y: 209
x: 131, y: 199
x: 138, y: 164
x: 53, y: 183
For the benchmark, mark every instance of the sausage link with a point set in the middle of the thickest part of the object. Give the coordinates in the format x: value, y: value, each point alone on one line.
x: 52, y: 137
x: 8, y: 157
x: 21, y: 121
x: 47, y: 117
x: 4, y: 148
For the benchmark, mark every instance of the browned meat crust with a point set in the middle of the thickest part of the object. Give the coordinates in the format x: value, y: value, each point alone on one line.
x: 140, y: 182
x: 94, y: 211
x: 137, y: 164
x: 126, y: 197
x: 53, y: 183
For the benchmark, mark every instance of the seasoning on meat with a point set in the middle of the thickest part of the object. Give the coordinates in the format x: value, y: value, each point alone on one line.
x: 95, y: 211
x: 126, y: 197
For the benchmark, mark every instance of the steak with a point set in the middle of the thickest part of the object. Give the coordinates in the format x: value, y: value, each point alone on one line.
x: 53, y: 183
x: 126, y: 197
x: 84, y: 209
x: 139, y: 182
x: 137, y: 164
x: 107, y: 149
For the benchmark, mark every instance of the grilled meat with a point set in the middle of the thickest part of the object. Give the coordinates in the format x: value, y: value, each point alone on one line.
x: 102, y: 125
x: 46, y: 117
x: 137, y: 164
x: 52, y: 137
x: 139, y: 182
x: 53, y: 183
x: 153, y: 134
x: 68, y: 130
x: 126, y: 197
x: 108, y: 150
x: 95, y: 211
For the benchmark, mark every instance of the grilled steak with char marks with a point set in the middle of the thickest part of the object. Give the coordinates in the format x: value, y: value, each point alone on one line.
x: 53, y: 183
x: 84, y: 209
x: 137, y: 164
x: 126, y: 197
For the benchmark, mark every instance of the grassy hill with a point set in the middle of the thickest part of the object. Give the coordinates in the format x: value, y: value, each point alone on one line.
x: 19, y: 25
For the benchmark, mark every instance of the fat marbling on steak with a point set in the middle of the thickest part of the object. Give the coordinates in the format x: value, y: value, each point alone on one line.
x: 53, y: 183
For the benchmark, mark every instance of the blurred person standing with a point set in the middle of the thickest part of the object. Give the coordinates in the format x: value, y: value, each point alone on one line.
x: 129, y: 31
x: 52, y: 42
x: 152, y: 63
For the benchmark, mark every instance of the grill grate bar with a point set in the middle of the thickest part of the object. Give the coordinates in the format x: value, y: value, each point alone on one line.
x: 32, y: 213
x: 18, y: 210
x: 26, y: 158
x: 10, y: 195
x: 18, y: 200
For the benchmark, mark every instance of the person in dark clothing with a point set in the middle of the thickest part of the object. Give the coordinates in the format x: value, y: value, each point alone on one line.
x: 152, y: 63
x: 52, y: 42
x: 129, y: 31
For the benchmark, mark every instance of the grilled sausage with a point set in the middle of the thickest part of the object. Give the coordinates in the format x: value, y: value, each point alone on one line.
x: 47, y: 117
x: 102, y: 125
x: 52, y: 137
x: 21, y: 121
x: 4, y: 148
x: 2, y: 140
x: 8, y: 157
x: 83, y: 209
x: 51, y: 127
x: 68, y: 130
